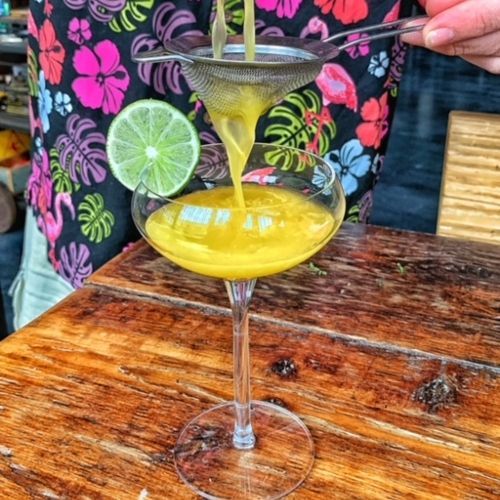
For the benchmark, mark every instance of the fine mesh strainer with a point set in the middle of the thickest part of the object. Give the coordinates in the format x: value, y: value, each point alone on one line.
x: 281, y: 65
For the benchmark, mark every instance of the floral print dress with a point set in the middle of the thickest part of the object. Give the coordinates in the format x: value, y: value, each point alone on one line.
x: 81, y: 75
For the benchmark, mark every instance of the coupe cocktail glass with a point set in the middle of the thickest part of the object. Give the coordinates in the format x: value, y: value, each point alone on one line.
x: 294, y: 204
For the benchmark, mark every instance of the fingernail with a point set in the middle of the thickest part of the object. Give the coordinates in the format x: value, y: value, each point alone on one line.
x: 441, y: 36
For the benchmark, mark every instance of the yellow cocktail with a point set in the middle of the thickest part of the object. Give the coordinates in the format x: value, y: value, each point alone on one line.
x: 208, y: 233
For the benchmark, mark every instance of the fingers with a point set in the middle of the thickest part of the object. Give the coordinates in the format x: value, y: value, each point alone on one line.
x: 417, y: 37
x: 487, y: 45
x: 465, y: 28
x: 491, y: 64
x: 464, y: 20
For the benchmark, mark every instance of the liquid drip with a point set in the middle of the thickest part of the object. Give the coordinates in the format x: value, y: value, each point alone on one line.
x: 237, y: 129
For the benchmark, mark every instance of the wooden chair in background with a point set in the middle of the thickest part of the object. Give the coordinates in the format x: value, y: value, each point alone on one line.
x: 470, y: 192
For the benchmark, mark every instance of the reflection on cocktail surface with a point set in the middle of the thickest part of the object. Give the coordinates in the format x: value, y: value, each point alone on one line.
x: 208, y: 233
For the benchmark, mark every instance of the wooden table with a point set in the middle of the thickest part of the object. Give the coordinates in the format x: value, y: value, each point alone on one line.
x: 469, y: 205
x: 391, y: 358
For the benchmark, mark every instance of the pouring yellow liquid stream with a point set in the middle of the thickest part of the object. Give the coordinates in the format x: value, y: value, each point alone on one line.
x: 237, y: 129
x: 246, y: 231
x: 219, y: 30
x: 249, y: 30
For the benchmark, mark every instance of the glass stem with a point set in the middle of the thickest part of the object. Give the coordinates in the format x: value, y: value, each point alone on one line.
x: 240, y: 295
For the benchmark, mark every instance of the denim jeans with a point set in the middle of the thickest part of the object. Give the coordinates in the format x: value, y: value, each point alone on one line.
x: 11, y: 246
x: 37, y: 286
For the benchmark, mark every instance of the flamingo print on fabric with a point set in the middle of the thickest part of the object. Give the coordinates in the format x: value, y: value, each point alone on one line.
x: 337, y: 86
x: 51, y: 225
x: 315, y: 26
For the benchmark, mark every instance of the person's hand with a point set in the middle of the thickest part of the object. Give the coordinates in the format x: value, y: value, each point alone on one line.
x: 465, y: 28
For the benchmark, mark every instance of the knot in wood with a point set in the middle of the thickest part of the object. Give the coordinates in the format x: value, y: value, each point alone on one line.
x: 437, y: 394
x: 285, y: 368
x: 203, y: 440
x: 277, y: 402
x: 474, y: 270
x: 160, y: 458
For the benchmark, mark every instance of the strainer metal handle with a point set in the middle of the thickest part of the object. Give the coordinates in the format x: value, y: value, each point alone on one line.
x: 160, y: 55
x: 399, y: 26
x: 382, y: 30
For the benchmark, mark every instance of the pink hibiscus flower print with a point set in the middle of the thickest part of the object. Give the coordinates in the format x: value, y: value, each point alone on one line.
x: 52, y: 53
x: 79, y: 30
x: 283, y: 8
x: 337, y: 86
x: 103, y: 79
x: 361, y: 50
x: 347, y: 12
x: 375, y: 127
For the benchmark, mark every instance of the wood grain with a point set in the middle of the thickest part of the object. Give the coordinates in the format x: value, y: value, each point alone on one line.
x: 94, y: 393
x: 416, y: 292
x: 470, y: 194
x: 391, y: 359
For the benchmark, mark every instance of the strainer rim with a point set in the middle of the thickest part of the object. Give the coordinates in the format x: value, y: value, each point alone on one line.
x: 181, y: 46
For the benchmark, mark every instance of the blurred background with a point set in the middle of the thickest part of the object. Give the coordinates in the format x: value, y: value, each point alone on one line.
x: 14, y: 146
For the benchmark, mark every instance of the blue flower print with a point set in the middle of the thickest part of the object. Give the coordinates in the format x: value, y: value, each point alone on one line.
x: 38, y: 144
x: 320, y: 181
x: 350, y: 164
x: 379, y: 64
x: 44, y: 102
x: 63, y: 104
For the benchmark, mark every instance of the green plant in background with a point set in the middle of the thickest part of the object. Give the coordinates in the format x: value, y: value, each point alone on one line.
x: 32, y: 74
x: 97, y: 222
x: 234, y: 16
x: 193, y: 99
x: 60, y: 176
x: 353, y: 214
x: 134, y: 13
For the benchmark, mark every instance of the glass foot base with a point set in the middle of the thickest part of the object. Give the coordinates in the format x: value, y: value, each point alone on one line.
x: 280, y: 461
